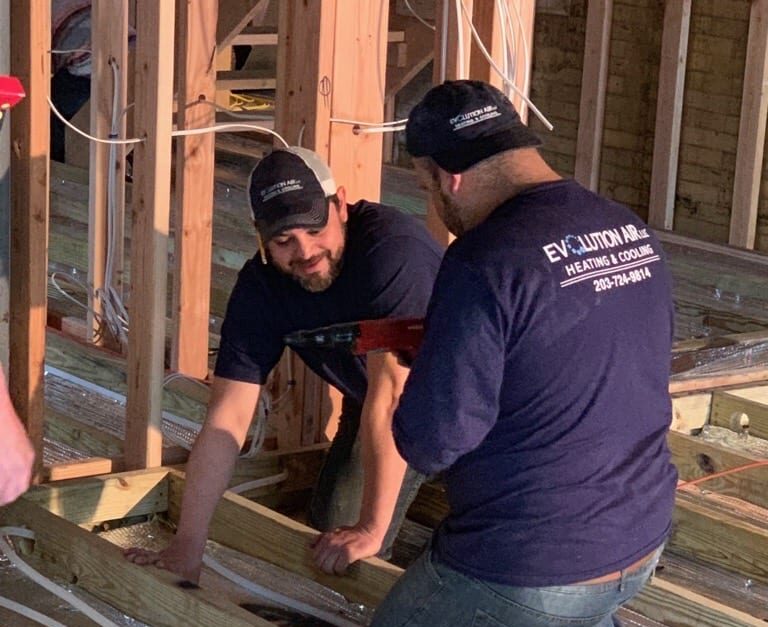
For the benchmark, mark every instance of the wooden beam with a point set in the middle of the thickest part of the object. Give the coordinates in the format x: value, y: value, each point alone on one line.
x: 235, y: 15
x: 151, y: 595
x: 253, y: 529
x: 88, y: 502
x: 721, y: 530
x: 108, y: 370
x: 709, y: 382
x: 149, y: 254
x: 109, y: 41
x: 696, y: 458
x: 727, y: 407
x: 30, y: 136
x: 669, y: 113
x: 749, y: 152
x: 594, y: 80
x: 675, y: 605
x: 193, y: 219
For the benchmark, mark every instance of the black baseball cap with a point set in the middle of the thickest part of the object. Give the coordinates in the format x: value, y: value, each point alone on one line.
x: 289, y: 189
x: 460, y: 123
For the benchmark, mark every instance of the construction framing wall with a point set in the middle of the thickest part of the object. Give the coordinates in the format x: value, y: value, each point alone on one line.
x: 639, y: 115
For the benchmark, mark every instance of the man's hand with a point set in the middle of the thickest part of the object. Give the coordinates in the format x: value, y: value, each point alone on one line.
x: 177, y: 557
x: 335, y: 550
x: 16, y: 457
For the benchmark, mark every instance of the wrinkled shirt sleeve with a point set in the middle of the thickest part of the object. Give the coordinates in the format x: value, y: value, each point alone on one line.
x: 451, y: 399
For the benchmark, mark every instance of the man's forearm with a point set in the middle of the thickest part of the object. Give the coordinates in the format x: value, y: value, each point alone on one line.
x: 208, y: 472
x: 383, y: 470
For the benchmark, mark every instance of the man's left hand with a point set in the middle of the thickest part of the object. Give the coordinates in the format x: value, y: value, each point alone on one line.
x: 334, y: 551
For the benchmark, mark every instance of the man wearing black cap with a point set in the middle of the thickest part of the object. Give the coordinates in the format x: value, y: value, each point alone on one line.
x: 321, y: 261
x: 540, y: 389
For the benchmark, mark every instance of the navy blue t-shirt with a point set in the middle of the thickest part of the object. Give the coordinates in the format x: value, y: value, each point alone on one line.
x: 389, y: 266
x: 541, y: 389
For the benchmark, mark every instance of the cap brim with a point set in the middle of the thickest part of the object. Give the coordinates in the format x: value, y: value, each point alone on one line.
x: 315, y: 216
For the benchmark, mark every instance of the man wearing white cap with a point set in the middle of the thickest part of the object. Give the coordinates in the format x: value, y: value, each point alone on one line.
x: 321, y: 261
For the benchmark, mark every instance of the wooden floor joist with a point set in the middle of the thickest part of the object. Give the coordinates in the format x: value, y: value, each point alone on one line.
x: 62, y: 515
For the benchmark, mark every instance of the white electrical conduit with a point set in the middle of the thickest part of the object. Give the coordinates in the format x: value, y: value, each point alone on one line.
x: 418, y: 17
x: 490, y: 60
x: 43, y: 581
x: 277, y: 597
x: 259, y: 483
x: 28, y: 612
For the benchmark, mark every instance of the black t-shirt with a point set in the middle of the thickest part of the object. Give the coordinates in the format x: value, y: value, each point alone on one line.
x: 542, y: 389
x: 389, y: 265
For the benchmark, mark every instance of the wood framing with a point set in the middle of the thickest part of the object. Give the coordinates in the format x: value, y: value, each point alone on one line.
x: 488, y: 23
x: 30, y: 136
x: 109, y: 41
x: 452, y: 61
x: 59, y: 516
x: 669, y: 113
x: 193, y: 219
x: 749, y: 152
x: 149, y: 249
x: 594, y: 79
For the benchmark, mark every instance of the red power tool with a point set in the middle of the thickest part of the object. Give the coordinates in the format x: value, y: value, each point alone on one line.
x: 399, y: 335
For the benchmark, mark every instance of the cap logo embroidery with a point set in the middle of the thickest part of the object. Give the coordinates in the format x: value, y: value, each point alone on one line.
x: 282, y: 187
x: 474, y: 117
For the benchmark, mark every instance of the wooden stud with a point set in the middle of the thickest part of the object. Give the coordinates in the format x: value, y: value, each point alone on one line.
x: 594, y: 79
x: 149, y: 250
x: 669, y: 113
x: 30, y: 136
x: 109, y: 37
x: 193, y: 219
x: 749, y: 152
x: 452, y: 62
x: 488, y: 24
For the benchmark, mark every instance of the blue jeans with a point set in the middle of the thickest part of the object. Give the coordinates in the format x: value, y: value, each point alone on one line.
x: 339, y: 489
x: 430, y: 594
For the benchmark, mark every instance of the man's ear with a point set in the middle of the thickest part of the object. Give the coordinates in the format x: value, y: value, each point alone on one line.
x: 450, y: 182
x: 341, y: 194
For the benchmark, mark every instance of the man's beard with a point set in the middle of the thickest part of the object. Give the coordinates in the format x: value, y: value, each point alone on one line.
x: 316, y: 283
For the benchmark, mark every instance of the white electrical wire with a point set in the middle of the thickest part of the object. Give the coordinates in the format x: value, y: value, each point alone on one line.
x: 378, y: 129
x: 86, y: 135
x: 493, y: 64
x: 242, y: 126
x: 259, y: 483
x: 360, y: 123
x: 43, y: 581
x: 28, y: 612
x: 459, y: 4
x: 277, y: 597
x: 444, y: 43
x: 418, y: 17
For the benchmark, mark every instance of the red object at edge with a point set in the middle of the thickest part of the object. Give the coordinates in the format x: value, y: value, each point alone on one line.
x: 11, y: 92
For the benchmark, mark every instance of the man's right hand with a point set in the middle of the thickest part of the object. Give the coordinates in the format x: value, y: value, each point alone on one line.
x: 177, y: 557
